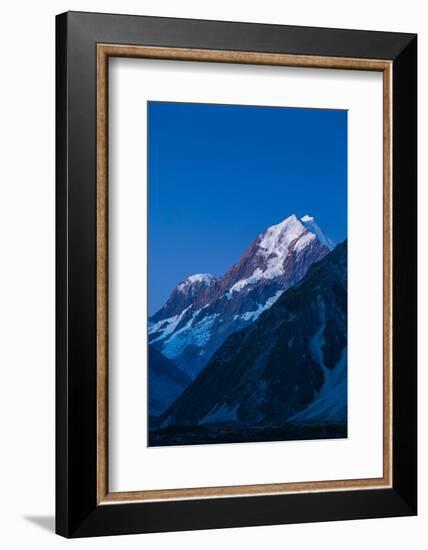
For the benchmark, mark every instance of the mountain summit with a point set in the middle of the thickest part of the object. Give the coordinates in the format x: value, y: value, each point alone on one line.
x: 202, y: 311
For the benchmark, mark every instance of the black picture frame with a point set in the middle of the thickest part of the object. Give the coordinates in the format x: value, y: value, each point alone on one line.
x: 77, y: 512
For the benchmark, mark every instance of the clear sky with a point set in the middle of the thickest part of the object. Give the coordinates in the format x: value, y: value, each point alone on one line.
x: 219, y: 175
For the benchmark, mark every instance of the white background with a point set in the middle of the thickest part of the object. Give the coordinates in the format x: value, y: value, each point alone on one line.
x: 133, y: 466
x: 27, y: 274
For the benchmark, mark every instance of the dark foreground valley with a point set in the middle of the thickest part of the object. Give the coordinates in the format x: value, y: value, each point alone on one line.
x: 233, y: 432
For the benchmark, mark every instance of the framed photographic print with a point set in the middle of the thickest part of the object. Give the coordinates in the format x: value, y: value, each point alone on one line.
x: 236, y: 274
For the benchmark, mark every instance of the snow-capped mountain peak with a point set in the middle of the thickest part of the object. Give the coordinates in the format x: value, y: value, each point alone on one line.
x: 312, y: 226
x: 203, y: 310
x: 290, y: 223
x: 205, y: 279
x: 277, y: 238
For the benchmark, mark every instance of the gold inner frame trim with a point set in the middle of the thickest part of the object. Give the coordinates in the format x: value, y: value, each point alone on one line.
x: 104, y: 51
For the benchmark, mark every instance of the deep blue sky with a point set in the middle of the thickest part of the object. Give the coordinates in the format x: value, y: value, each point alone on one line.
x: 219, y: 175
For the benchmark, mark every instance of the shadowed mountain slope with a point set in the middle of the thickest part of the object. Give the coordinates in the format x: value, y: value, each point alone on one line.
x: 166, y: 382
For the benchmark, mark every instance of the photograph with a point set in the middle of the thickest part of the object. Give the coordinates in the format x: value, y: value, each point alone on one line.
x: 247, y: 273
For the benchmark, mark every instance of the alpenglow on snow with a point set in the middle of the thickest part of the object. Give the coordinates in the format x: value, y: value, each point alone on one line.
x: 203, y: 310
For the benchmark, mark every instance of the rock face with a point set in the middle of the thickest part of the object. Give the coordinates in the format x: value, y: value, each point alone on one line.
x: 289, y: 365
x: 166, y: 382
x: 203, y: 310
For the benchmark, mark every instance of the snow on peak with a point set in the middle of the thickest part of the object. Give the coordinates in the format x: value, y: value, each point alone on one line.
x: 202, y: 278
x: 273, y: 245
x: 276, y: 243
x: 312, y: 226
x: 277, y: 238
x: 206, y: 278
x: 290, y: 224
